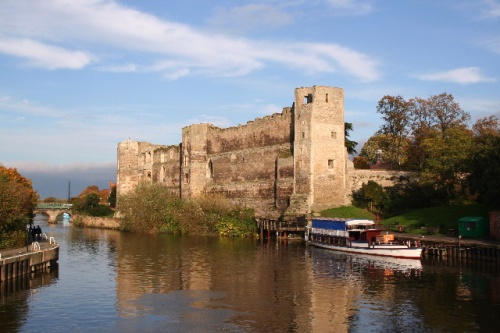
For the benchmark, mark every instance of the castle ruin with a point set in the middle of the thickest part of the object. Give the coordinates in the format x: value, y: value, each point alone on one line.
x: 289, y: 164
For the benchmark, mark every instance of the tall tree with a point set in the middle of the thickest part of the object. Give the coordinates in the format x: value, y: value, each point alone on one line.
x: 396, y: 126
x: 430, y: 117
x: 485, y: 130
x: 446, y: 113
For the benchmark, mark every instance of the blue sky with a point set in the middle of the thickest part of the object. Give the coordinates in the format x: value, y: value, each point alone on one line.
x: 79, y: 76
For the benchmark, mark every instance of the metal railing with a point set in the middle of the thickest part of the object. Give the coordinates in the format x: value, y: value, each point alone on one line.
x: 53, y: 205
x: 35, y: 246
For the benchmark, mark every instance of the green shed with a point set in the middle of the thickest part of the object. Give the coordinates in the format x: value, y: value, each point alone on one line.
x: 473, y: 226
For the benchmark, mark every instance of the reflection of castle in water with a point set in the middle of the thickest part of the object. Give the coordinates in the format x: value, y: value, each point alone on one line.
x: 259, y: 283
x: 338, y: 282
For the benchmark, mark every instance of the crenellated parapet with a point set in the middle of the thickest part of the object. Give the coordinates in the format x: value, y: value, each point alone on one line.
x: 285, y: 164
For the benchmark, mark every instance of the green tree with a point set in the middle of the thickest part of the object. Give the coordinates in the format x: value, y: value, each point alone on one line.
x: 430, y: 117
x: 484, y: 177
x: 92, y: 200
x: 88, y: 203
x: 371, y: 148
x: 371, y: 196
x: 448, y: 161
x: 150, y: 208
x: 350, y: 145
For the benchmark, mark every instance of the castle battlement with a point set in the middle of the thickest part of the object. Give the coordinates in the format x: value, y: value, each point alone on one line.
x: 293, y: 162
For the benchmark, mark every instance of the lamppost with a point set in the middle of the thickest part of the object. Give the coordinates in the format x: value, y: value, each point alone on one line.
x: 29, y: 227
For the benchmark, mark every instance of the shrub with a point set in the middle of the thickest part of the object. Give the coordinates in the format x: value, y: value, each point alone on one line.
x: 153, y: 208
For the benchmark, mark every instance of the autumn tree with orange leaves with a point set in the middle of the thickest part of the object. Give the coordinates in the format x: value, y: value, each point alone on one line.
x: 17, y: 202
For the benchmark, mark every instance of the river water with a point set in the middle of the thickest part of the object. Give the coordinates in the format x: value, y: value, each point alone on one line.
x: 109, y: 281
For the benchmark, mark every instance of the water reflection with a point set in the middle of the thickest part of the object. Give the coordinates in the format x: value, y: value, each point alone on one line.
x: 119, y: 282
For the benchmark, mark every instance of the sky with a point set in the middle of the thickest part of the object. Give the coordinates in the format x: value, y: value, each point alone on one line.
x: 79, y: 76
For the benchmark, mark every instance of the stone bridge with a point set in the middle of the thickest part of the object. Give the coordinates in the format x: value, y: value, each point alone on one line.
x: 52, y: 210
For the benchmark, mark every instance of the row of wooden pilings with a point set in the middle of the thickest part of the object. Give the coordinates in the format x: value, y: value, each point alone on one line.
x: 452, y: 248
x: 28, y: 262
x: 281, y: 229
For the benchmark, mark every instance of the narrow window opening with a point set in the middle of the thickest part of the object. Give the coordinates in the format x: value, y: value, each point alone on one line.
x: 211, y: 169
x: 326, y: 98
x: 308, y: 99
x: 334, y: 135
x: 330, y: 164
x: 303, y: 135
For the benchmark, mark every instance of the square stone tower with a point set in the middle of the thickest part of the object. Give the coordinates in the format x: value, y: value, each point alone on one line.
x: 319, y: 150
x: 194, y: 160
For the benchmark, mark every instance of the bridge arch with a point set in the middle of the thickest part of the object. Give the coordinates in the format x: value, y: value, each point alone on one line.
x: 52, y: 210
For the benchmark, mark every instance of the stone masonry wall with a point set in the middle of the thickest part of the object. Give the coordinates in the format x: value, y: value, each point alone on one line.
x: 242, y: 163
x: 358, y: 177
x: 166, y: 162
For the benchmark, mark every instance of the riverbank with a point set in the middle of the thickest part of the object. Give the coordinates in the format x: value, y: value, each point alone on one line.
x: 454, y: 247
x: 33, y: 258
x: 111, y: 223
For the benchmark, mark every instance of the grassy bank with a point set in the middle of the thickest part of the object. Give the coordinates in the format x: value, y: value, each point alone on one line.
x: 431, y: 220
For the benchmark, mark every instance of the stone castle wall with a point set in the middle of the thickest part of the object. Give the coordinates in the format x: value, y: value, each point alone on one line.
x: 242, y: 163
x: 287, y: 164
x: 143, y: 161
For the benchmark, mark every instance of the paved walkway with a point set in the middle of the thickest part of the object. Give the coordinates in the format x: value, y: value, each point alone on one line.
x: 6, y: 253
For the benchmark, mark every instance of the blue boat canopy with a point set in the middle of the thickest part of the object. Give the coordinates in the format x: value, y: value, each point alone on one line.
x: 337, y: 223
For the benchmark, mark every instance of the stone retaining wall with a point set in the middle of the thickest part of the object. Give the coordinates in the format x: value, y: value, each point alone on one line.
x: 97, y: 222
x: 28, y: 262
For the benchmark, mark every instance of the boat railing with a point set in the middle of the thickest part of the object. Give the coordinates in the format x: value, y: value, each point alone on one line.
x: 329, y: 232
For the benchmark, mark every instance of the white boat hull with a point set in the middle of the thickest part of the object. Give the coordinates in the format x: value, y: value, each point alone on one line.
x: 393, y: 251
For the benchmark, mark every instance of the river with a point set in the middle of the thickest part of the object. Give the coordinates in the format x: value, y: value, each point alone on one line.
x: 109, y: 281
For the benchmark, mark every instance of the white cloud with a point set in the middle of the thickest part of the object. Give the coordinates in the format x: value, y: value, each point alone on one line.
x: 481, y: 107
x: 249, y: 17
x: 352, y: 7
x: 27, y: 107
x: 493, y: 45
x: 490, y: 9
x: 464, y: 75
x: 42, y: 55
x: 146, y: 39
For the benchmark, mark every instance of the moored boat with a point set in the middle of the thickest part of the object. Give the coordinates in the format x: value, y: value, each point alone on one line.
x: 358, y: 236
